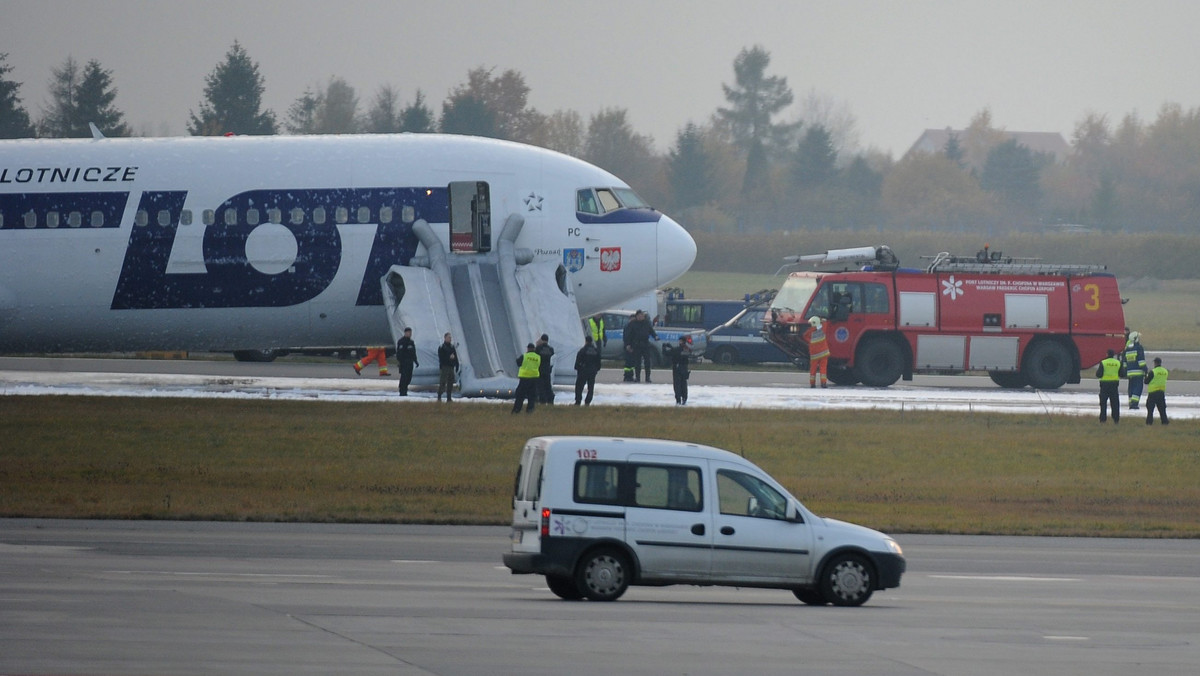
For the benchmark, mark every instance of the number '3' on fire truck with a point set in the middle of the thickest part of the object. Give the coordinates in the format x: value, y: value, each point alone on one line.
x: 1023, y: 321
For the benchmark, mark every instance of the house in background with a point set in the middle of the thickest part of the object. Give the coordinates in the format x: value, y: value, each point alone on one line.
x: 933, y: 141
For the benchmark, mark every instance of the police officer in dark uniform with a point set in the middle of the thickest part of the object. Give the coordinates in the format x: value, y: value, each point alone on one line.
x: 406, y: 354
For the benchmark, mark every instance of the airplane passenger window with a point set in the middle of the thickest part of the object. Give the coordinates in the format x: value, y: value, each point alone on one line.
x: 252, y: 217
x: 608, y: 201
x: 385, y: 214
x: 341, y: 215
x: 75, y: 219
x: 586, y: 202
x: 30, y: 219
x: 164, y: 217
x: 141, y: 218
x: 52, y: 219
x: 209, y: 217
x: 231, y: 217
x: 408, y: 213
x: 97, y: 219
x: 364, y: 214
x: 275, y: 215
x: 319, y: 215
x: 185, y: 217
x: 297, y: 216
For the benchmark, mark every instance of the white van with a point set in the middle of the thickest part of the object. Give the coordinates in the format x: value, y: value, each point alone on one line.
x: 597, y: 514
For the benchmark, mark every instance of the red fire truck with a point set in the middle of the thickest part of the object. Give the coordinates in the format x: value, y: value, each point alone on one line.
x: 1022, y: 321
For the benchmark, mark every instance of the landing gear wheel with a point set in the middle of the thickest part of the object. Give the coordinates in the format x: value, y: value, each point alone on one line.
x: 880, y: 363
x: 846, y: 580
x: 810, y: 597
x: 563, y: 587
x: 603, y: 575
x: 1047, y: 365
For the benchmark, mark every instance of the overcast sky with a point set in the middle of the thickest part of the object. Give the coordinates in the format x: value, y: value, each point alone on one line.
x: 897, y: 67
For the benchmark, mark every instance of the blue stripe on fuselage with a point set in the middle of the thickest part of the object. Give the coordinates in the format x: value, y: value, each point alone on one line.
x: 231, y: 281
x: 30, y: 210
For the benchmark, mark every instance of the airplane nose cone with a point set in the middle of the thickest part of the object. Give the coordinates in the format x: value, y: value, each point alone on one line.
x: 676, y: 251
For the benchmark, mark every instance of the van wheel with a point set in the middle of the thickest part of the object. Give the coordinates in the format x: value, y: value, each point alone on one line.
x: 810, y: 597
x: 846, y: 580
x: 603, y: 575
x: 563, y: 587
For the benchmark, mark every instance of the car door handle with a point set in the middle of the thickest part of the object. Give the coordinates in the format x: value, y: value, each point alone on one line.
x: 726, y: 530
x: 698, y: 529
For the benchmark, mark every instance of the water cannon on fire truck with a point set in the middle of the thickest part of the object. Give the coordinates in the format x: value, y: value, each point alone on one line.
x: 1023, y: 321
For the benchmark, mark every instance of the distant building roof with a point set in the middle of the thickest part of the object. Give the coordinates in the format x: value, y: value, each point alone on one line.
x: 934, y: 141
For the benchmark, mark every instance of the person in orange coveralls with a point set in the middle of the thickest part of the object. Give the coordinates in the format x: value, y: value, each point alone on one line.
x: 374, y: 354
x: 818, y: 351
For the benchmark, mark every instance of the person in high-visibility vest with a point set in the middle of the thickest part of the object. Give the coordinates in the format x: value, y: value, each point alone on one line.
x: 1156, y: 388
x: 1110, y: 371
x: 1134, y: 357
x: 596, y: 328
x: 818, y: 351
x: 528, y: 371
x: 374, y: 354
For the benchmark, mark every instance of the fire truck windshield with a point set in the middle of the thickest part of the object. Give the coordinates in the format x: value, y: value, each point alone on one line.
x: 794, y: 294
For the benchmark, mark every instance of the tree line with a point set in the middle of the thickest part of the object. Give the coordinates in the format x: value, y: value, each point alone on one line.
x: 748, y: 168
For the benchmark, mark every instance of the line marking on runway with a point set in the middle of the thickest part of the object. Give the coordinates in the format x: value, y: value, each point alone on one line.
x: 1067, y: 638
x: 414, y: 561
x: 1005, y: 578
x: 235, y: 575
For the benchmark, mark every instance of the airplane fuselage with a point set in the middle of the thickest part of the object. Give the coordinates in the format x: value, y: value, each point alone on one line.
x: 260, y: 242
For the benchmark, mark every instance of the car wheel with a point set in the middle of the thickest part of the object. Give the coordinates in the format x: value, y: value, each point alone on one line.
x: 1013, y: 380
x: 603, y: 575
x: 726, y: 355
x: 1047, y: 365
x: 563, y: 587
x: 810, y: 597
x: 847, y: 581
x: 880, y: 362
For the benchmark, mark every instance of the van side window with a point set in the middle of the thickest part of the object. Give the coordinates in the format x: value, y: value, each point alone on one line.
x: 740, y: 494
x: 665, y: 487
x: 598, y: 483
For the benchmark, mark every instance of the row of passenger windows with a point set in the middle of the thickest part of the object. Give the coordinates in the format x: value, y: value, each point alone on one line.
x: 252, y: 216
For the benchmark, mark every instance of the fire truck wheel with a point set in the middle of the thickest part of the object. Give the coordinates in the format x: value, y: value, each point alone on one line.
x: 880, y: 363
x: 1014, y: 380
x: 1047, y: 365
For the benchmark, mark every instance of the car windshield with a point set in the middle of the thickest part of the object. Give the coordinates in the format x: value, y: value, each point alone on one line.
x: 794, y: 294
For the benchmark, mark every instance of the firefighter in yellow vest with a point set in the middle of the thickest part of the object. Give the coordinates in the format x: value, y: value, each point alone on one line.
x: 528, y: 371
x: 1110, y: 371
x: 1156, y: 387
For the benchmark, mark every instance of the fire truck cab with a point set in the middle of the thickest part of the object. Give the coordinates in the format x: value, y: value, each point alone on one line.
x: 1022, y: 321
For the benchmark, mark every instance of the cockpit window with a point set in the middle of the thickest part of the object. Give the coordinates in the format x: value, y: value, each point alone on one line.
x: 600, y: 201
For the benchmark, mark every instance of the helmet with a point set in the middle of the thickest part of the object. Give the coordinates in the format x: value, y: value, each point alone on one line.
x: 1135, y: 336
x: 815, y: 321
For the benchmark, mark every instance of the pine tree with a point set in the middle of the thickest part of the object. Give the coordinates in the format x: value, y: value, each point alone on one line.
x: 233, y: 99
x: 79, y: 97
x: 14, y: 119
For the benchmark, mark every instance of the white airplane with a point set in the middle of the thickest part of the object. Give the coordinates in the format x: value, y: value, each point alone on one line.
x: 244, y: 243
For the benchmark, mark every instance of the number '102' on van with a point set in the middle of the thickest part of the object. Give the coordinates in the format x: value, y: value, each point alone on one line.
x: 595, y: 515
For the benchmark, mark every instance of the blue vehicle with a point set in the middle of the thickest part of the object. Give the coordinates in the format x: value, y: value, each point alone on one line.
x: 741, y: 342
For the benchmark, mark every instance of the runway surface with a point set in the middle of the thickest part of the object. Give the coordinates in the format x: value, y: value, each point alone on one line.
x: 775, y: 389
x: 85, y: 597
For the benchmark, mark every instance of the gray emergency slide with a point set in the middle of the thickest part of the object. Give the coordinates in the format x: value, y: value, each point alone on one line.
x: 493, y: 304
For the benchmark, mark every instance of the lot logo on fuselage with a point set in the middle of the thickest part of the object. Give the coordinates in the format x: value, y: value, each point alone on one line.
x: 230, y: 280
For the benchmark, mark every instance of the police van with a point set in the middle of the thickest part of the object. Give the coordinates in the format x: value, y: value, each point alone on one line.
x: 595, y: 515
x: 737, y: 342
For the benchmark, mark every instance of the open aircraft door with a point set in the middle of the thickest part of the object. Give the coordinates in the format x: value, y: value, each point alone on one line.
x: 470, y: 217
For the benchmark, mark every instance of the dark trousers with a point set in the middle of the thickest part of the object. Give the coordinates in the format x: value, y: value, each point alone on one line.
x: 582, y: 379
x: 1110, y: 393
x: 631, y: 358
x: 679, y: 380
x: 526, y: 391
x: 642, y: 355
x: 405, y: 378
x: 545, y: 389
x: 1156, y: 399
x: 446, y: 382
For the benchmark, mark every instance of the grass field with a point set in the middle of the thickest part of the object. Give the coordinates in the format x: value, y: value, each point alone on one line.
x: 1166, y: 312
x: 416, y: 461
